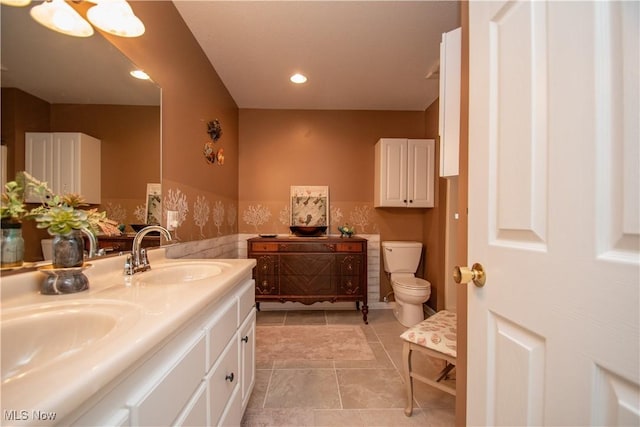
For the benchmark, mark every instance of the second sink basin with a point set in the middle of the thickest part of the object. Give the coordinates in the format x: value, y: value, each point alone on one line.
x: 36, y: 336
x: 180, y: 272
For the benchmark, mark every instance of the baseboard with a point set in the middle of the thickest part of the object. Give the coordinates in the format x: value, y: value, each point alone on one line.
x: 291, y: 305
x: 428, y: 311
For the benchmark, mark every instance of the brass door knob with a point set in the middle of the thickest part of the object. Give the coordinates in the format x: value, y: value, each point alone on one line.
x: 465, y: 275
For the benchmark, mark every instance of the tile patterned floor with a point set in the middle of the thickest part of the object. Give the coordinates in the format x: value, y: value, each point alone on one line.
x: 345, y: 392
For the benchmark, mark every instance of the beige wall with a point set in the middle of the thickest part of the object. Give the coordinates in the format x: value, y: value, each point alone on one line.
x: 281, y: 148
x: 192, y: 95
x: 127, y: 133
x: 21, y: 112
x: 130, y: 149
x: 266, y: 151
x: 435, y: 221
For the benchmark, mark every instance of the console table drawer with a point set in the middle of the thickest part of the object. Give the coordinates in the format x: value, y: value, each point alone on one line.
x: 349, y: 247
x: 264, y: 247
x: 307, y: 247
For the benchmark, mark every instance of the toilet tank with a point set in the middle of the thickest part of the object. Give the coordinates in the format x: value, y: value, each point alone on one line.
x: 401, y: 256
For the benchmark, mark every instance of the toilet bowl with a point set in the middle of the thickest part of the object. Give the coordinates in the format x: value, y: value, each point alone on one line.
x: 401, y: 260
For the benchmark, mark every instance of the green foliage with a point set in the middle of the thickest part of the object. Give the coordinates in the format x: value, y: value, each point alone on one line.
x: 59, y: 214
x: 12, y: 207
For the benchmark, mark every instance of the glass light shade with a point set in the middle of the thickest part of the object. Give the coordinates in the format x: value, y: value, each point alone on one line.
x: 18, y: 3
x: 116, y: 17
x: 298, y: 78
x: 59, y: 16
x: 139, y: 74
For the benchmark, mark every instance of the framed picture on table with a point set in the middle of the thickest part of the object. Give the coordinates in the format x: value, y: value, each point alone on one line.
x: 154, y: 204
x: 309, y: 206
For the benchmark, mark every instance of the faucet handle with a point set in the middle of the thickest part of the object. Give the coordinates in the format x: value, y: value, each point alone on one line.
x: 128, y: 265
x: 144, y: 260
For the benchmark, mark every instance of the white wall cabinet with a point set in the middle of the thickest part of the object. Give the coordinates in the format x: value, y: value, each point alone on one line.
x: 404, y: 173
x: 68, y: 161
x: 449, y: 120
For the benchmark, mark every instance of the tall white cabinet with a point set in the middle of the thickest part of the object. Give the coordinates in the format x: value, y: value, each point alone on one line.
x: 68, y: 161
x: 449, y: 120
x: 404, y: 173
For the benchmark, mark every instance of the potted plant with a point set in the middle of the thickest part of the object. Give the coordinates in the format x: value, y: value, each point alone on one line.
x: 61, y: 215
x: 64, y: 219
x: 12, y: 212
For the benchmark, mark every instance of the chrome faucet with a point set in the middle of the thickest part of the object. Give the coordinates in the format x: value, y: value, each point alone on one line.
x: 137, y: 261
x: 94, y: 249
x: 93, y: 242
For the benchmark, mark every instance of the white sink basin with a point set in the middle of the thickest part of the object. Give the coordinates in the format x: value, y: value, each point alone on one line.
x: 180, y: 273
x: 35, y: 337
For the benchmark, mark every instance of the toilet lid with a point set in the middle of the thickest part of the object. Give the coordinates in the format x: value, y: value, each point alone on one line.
x: 412, y: 283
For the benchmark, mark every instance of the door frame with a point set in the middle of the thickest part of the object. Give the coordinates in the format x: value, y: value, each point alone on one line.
x: 462, y: 223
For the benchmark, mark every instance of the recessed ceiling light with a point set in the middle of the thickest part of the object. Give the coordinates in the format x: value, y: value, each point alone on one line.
x: 139, y: 74
x: 298, y: 78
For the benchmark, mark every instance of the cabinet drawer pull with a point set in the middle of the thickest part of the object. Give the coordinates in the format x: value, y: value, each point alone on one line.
x: 229, y: 377
x: 245, y: 339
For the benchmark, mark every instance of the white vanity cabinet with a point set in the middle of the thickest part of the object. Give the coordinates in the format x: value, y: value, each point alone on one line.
x: 200, y: 377
x: 68, y: 161
x: 449, y: 120
x: 404, y: 173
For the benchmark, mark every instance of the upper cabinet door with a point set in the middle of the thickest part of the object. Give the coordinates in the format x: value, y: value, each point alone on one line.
x: 404, y: 173
x: 79, y: 165
x: 449, y: 123
x: 38, y: 160
x: 420, y: 173
x: 69, y: 162
x: 391, y: 172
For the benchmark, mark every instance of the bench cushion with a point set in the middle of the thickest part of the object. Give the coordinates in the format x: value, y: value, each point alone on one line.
x: 437, y: 332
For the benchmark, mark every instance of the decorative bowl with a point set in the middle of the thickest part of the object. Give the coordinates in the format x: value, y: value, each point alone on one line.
x: 346, y: 230
x: 308, y: 231
x: 138, y: 227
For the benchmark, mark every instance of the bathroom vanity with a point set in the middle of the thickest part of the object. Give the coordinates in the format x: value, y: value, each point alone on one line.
x: 310, y: 269
x: 170, y: 346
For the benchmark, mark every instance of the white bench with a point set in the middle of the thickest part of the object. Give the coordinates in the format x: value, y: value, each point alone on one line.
x: 435, y: 337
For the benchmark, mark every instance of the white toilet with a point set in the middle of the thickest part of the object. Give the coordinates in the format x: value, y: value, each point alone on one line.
x: 401, y: 260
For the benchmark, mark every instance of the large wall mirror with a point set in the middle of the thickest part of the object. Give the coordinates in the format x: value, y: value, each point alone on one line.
x: 57, y: 83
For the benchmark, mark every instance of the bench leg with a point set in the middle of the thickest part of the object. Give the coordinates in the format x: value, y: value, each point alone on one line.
x: 408, y: 380
x: 445, y: 371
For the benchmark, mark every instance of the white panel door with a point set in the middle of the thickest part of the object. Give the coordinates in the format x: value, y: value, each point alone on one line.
x: 449, y: 111
x: 39, y: 159
x: 420, y: 173
x: 67, y: 173
x: 553, y: 336
x: 393, y: 172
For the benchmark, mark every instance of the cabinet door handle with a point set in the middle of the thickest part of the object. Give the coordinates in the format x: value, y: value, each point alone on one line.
x: 229, y: 377
x: 245, y: 339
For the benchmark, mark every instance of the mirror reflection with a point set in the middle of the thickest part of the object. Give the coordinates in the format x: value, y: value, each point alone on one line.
x: 57, y: 83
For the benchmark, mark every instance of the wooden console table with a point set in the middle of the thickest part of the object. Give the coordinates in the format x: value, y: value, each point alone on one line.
x: 310, y: 269
x: 124, y: 242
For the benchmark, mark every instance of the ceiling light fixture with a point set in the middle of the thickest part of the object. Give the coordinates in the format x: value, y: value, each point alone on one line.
x: 298, y: 78
x: 112, y: 16
x: 139, y: 74
x: 18, y: 3
x: 116, y: 17
x: 58, y: 16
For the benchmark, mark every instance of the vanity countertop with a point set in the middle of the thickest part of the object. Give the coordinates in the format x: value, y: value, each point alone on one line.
x: 147, y: 314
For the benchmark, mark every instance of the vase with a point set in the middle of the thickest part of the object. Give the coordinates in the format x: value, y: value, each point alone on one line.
x: 12, y: 245
x: 68, y: 250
